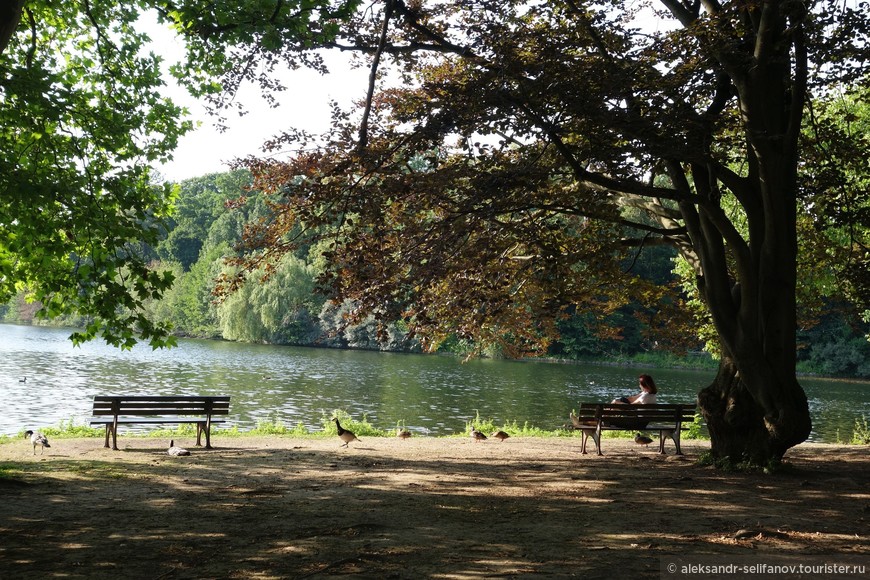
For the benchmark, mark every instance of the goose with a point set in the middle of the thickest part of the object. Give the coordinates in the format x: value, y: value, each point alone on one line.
x: 477, y: 435
x: 176, y: 451
x: 500, y: 435
x: 402, y: 433
x: 22, y: 380
x: 642, y: 439
x: 37, y: 439
x: 344, y: 434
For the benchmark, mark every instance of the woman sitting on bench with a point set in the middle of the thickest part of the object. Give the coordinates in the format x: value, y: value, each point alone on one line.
x: 646, y: 396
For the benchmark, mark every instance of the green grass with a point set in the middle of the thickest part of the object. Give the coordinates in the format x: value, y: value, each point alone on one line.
x: 861, y: 432
x: 10, y: 470
x: 364, y: 428
x: 273, y: 426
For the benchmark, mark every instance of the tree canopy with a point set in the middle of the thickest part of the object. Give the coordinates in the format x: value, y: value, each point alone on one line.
x: 510, y: 163
x: 489, y: 190
x: 83, y: 121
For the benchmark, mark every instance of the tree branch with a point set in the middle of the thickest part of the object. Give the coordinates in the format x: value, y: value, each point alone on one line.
x: 373, y: 75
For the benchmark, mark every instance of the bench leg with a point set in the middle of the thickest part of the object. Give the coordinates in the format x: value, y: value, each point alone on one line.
x: 112, y: 428
x: 208, y: 433
x: 664, y: 434
x: 596, y: 437
x: 203, y: 427
x: 674, y: 435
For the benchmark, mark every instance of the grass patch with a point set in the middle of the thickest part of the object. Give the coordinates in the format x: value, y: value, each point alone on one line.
x: 10, y: 471
x: 361, y: 427
x: 861, y: 432
x: 697, y: 430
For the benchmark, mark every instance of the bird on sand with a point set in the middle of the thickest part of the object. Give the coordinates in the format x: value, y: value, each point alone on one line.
x: 500, y: 435
x: 37, y: 439
x: 402, y: 433
x: 176, y: 451
x: 477, y: 435
x: 642, y: 439
x: 344, y: 434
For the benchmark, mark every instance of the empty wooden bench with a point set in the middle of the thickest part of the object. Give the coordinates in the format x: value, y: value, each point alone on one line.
x: 668, y: 419
x: 114, y: 410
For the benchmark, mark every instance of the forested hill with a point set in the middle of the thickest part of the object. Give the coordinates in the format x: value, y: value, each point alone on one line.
x: 286, y: 309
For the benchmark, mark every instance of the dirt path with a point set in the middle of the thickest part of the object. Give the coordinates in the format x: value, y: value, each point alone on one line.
x: 420, y: 508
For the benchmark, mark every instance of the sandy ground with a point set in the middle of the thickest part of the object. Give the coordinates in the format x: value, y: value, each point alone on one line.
x: 418, y: 508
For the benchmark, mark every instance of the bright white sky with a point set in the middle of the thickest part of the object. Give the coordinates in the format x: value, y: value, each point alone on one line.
x: 304, y: 105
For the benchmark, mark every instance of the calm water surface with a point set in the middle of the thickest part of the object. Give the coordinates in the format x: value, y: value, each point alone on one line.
x: 430, y: 394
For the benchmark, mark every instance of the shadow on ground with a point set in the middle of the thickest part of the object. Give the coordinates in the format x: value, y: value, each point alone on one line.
x: 416, y: 509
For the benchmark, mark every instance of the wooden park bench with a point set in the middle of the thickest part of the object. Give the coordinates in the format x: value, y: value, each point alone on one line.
x: 112, y: 410
x: 668, y: 419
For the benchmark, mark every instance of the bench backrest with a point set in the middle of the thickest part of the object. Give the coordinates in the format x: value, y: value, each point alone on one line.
x: 169, y: 405
x: 658, y: 413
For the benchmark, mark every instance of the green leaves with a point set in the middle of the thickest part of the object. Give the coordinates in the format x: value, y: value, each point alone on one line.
x: 81, y: 119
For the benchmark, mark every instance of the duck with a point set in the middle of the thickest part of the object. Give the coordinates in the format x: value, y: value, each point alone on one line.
x: 402, y: 433
x: 500, y: 435
x: 642, y: 439
x: 176, y: 451
x: 37, y: 439
x: 344, y: 434
x: 477, y: 435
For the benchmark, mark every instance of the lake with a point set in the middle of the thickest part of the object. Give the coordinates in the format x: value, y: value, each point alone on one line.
x: 431, y: 394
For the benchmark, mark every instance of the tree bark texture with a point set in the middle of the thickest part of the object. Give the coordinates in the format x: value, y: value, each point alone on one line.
x: 10, y: 15
x: 755, y: 408
x: 744, y: 429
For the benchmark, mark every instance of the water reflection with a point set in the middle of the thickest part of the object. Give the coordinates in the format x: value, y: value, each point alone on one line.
x: 430, y: 394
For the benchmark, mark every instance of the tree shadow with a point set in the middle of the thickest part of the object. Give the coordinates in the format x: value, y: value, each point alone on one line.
x: 308, y: 512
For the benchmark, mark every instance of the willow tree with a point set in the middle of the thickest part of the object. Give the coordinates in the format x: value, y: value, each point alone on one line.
x: 511, y: 157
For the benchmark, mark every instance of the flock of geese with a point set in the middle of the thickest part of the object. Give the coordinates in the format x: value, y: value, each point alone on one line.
x: 346, y: 435
x: 349, y: 436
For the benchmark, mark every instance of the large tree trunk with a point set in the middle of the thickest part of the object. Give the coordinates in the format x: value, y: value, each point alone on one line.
x: 10, y: 15
x: 743, y: 428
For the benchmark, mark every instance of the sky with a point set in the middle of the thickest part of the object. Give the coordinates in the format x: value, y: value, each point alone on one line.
x: 304, y: 105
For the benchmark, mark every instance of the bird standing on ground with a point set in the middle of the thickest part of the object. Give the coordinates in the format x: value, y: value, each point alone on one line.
x: 402, y: 433
x: 642, y: 439
x: 477, y: 435
x: 344, y: 434
x: 37, y: 439
x: 176, y: 451
x: 500, y: 435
